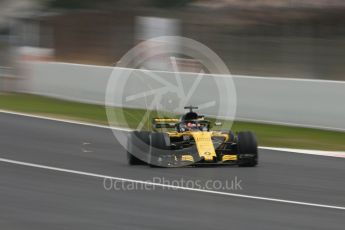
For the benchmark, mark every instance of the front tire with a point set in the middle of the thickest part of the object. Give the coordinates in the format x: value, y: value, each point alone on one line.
x: 160, y: 143
x: 247, y: 149
x: 138, y: 146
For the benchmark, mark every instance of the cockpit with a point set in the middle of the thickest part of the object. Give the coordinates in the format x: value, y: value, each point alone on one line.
x: 191, y: 121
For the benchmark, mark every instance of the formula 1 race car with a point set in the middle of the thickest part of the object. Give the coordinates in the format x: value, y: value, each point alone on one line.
x: 191, y: 142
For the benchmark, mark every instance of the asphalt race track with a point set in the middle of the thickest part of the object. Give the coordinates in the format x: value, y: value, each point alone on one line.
x: 44, y: 198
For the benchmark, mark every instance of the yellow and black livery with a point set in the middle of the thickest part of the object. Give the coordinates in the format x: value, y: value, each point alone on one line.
x: 190, y: 141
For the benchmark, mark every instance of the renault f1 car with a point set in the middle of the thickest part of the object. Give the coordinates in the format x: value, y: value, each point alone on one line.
x: 191, y: 142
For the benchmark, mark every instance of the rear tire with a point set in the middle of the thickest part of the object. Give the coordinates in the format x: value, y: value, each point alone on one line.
x: 138, y: 144
x: 247, y: 149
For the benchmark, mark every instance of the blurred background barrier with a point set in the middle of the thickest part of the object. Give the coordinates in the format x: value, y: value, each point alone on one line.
x: 282, y: 40
x: 295, y: 38
x: 301, y: 102
x: 7, y: 79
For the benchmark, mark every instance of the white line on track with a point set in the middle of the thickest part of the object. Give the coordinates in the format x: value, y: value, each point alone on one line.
x: 63, y: 120
x: 302, y: 151
x: 309, y: 152
x: 169, y: 186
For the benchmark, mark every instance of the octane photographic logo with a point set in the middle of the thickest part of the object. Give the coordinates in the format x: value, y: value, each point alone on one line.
x: 233, y: 184
x: 151, y: 81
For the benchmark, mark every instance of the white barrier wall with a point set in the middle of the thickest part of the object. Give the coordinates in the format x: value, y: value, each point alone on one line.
x: 307, y: 103
x: 83, y: 83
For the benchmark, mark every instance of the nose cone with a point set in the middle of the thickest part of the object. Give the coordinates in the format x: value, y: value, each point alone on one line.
x: 204, y: 145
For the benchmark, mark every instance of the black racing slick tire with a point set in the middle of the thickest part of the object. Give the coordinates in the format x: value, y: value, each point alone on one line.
x: 138, y: 147
x: 160, y: 142
x: 247, y: 149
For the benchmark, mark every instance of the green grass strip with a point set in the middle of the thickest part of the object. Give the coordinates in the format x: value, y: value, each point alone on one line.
x: 268, y: 135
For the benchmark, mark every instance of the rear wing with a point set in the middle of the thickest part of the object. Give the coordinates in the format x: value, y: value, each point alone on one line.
x: 169, y: 123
